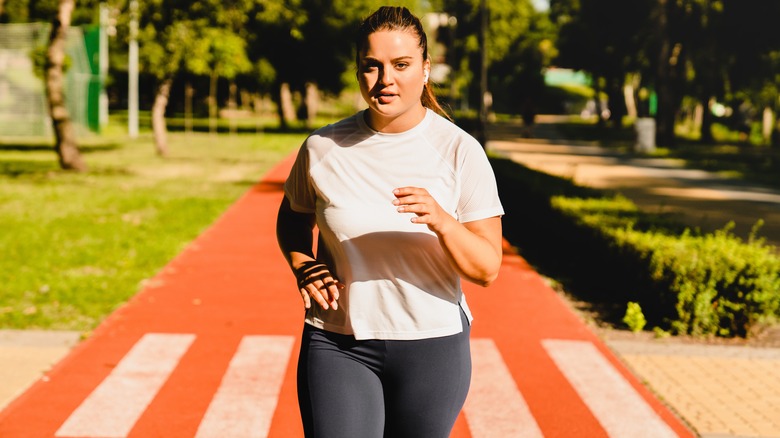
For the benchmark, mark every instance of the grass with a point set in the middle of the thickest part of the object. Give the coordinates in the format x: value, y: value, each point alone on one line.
x: 76, y: 246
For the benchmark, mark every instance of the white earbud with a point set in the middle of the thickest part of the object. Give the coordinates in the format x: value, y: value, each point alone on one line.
x: 425, y: 78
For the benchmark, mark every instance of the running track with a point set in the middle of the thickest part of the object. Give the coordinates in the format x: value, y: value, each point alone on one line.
x: 207, y: 349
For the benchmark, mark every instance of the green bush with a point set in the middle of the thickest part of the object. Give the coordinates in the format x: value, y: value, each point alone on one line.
x: 689, y: 282
x: 717, y: 283
x: 634, y: 318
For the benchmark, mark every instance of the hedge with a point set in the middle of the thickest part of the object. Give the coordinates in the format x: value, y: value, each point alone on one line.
x: 686, y: 281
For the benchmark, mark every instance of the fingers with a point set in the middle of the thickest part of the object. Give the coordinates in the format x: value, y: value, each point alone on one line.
x: 406, y: 194
x: 418, y: 201
x: 316, y: 283
x: 325, y: 294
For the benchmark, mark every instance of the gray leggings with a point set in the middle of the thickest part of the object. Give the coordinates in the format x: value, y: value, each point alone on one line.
x: 375, y: 388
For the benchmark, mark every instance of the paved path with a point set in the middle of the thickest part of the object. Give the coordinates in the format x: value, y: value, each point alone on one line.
x: 720, y: 390
x: 701, y: 199
x: 207, y: 349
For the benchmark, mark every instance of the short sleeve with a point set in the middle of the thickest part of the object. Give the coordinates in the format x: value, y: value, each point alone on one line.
x: 478, y: 189
x: 298, y: 187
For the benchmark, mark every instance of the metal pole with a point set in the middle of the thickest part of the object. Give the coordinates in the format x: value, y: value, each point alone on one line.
x: 103, y: 66
x: 483, y: 79
x: 132, y: 70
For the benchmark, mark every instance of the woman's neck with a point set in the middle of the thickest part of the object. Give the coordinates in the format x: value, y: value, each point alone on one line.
x: 394, y: 125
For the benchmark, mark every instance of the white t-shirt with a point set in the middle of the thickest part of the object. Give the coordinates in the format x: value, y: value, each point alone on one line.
x: 399, y: 282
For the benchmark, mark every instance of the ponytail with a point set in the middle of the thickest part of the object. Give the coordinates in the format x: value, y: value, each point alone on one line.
x: 429, y: 100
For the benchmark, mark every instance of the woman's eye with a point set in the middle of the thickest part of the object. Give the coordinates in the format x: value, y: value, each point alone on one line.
x: 401, y: 65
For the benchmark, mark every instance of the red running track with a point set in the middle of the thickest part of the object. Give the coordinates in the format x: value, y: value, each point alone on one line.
x: 208, y: 348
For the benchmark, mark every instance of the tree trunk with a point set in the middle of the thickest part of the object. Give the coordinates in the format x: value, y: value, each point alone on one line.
x: 188, y: 92
x: 706, y: 123
x: 597, y: 90
x: 213, y: 103
x: 669, y: 74
x: 277, y: 98
x: 257, y: 109
x: 66, y: 146
x: 233, y: 106
x: 286, y: 99
x: 767, y: 119
x: 312, y: 101
x: 158, y: 117
x: 617, y: 103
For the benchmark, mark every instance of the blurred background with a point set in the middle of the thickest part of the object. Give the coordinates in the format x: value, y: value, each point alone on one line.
x: 700, y: 68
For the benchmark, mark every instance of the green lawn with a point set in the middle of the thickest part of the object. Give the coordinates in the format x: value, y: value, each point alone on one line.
x: 74, y: 247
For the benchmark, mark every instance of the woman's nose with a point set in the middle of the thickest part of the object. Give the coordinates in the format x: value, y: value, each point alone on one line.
x: 386, y: 76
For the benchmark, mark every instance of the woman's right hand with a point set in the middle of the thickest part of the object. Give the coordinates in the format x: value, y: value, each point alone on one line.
x: 316, y: 282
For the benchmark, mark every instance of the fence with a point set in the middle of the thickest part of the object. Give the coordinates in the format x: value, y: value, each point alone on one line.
x: 23, y: 108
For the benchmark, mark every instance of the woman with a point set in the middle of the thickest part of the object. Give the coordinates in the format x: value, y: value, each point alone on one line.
x: 406, y: 204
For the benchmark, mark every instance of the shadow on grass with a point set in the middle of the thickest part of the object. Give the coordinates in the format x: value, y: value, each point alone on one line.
x: 42, y: 147
x: 242, y: 129
x: 19, y: 168
x: 40, y: 169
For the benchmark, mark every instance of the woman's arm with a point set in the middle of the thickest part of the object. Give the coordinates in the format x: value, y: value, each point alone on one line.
x: 295, y: 237
x: 474, y: 248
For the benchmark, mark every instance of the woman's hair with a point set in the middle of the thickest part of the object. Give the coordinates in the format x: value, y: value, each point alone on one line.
x: 388, y: 18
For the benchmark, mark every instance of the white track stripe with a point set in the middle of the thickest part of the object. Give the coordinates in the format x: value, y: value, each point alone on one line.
x: 116, y: 404
x: 494, y: 406
x: 612, y: 400
x: 245, y: 401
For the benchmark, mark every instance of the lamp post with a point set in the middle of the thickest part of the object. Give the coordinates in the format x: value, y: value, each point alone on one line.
x: 483, y: 80
x: 103, y: 64
x: 132, y: 71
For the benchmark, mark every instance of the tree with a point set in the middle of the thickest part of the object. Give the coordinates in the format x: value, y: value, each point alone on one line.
x: 165, y: 34
x: 66, y: 145
x: 754, y: 70
x: 51, y: 64
x: 312, y: 43
x: 218, y: 53
x: 605, y: 38
x: 517, y: 80
x: 508, y: 34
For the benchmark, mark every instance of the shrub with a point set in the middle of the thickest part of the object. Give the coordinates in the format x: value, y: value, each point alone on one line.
x: 712, y: 283
x: 689, y: 282
x: 634, y: 318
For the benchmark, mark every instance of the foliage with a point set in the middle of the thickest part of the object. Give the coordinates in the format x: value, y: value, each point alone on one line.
x: 704, y: 49
x: 518, y: 46
x: 722, y: 285
x: 716, y: 283
x: 634, y: 318
x: 218, y: 52
x: 28, y: 11
x: 603, y: 248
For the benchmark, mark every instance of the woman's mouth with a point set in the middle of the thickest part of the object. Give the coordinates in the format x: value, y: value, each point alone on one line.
x: 385, y: 98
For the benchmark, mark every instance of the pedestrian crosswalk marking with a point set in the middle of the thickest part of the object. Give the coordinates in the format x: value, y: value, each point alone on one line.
x: 246, y: 399
x: 494, y: 406
x: 116, y: 404
x: 620, y: 410
x: 245, y: 402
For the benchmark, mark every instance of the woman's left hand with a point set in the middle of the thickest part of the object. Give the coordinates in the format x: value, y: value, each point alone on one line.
x: 474, y: 248
x: 427, y: 211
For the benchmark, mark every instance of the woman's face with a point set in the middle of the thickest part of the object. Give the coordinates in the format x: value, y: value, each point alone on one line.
x: 391, y: 76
